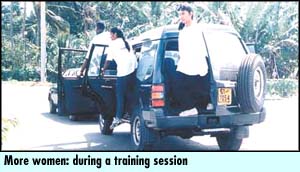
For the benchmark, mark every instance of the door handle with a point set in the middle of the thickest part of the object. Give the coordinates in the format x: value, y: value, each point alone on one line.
x: 78, y: 87
x: 105, y: 86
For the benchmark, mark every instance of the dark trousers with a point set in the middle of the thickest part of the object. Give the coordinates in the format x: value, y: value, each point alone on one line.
x: 190, y: 91
x: 125, y: 93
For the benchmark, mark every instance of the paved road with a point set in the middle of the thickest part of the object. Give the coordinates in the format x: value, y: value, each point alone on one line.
x: 39, y: 130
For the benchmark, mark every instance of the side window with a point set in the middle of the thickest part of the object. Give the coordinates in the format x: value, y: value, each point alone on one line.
x: 146, y: 60
x: 171, y: 51
x: 171, y: 57
x: 71, y: 62
x: 96, y: 60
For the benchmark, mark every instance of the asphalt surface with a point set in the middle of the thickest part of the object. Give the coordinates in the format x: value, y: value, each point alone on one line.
x: 37, y: 129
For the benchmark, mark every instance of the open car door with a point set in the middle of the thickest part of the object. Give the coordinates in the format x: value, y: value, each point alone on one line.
x: 71, y: 101
x: 100, y: 88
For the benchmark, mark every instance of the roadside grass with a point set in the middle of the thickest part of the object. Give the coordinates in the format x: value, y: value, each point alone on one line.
x: 7, y: 125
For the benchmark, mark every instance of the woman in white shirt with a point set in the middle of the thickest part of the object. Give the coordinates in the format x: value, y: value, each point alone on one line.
x: 120, y: 51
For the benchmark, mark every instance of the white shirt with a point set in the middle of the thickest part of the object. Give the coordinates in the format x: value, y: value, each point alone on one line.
x: 126, y: 61
x: 192, y: 51
x: 102, y: 38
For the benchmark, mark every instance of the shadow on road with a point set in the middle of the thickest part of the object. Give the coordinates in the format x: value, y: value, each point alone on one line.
x: 121, y: 141
x: 178, y: 144
x: 81, y: 120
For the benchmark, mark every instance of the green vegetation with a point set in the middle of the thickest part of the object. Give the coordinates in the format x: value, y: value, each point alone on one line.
x: 282, y: 87
x: 272, y: 26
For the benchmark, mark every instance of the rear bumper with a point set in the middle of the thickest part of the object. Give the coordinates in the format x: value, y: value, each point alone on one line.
x: 156, y: 120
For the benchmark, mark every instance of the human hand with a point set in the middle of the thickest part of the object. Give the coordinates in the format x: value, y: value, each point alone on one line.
x: 79, y: 74
x: 102, y: 71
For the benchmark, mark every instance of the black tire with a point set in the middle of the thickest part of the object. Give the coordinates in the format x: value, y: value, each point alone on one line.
x: 232, y: 141
x: 251, y: 84
x: 229, y: 142
x: 186, y: 136
x: 74, y: 117
x: 52, y: 107
x: 142, y: 137
x: 105, y: 126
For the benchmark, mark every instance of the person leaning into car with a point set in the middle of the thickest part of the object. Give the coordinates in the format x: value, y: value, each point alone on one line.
x: 100, y: 38
x: 120, y: 51
x: 192, y: 70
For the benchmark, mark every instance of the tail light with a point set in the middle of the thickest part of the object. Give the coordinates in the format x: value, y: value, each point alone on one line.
x: 157, y: 96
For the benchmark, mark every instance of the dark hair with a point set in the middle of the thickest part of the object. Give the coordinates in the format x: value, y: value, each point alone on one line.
x: 184, y: 7
x: 120, y: 34
x: 100, y: 25
x: 181, y: 26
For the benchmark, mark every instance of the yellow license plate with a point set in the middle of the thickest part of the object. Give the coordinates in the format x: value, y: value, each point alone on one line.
x: 224, y: 96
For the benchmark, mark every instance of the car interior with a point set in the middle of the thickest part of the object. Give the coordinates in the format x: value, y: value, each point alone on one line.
x: 171, y: 57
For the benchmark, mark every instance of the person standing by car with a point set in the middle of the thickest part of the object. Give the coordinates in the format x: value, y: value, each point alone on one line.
x: 100, y: 38
x: 120, y: 51
x: 192, y: 69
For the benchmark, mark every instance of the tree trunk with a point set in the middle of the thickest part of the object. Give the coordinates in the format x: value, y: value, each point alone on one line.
x: 11, y: 31
x: 37, y: 10
x: 155, y: 11
x: 43, y: 42
x: 23, y: 34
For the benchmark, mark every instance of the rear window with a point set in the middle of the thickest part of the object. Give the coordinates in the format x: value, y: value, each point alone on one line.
x: 226, y: 51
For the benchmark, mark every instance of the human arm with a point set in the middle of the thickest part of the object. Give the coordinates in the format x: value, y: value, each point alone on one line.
x: 83, y: 66
x: 109, y: 58
x: 104, y: 67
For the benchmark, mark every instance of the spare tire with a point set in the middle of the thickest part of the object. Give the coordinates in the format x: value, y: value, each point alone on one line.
x: 251, y: 83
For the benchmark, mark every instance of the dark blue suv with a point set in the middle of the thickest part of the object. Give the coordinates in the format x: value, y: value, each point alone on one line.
x: 237, y: 81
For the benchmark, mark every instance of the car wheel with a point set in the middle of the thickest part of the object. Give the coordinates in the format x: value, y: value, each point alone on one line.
x: 74, y: 117
x: 105, y: 125
x: 229, y: 142
x: 52, y: 106
x: 251, y: 84
x: 142, y: 137
x: 232, y: 140
x: 186, y: 136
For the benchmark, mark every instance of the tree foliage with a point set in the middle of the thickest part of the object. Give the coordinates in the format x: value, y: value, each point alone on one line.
x: 272, y: 26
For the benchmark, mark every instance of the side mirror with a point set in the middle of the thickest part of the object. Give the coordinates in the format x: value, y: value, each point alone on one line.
x: 251, y: 47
